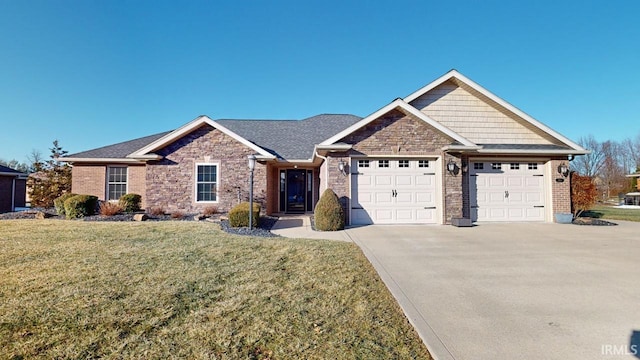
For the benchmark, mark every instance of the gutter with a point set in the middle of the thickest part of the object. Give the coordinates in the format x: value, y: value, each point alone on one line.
x: 326, y: 168
x: 13, y: 194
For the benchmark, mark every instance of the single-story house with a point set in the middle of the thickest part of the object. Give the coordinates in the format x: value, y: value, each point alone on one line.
x: 451, y: 149
x: 633, y: 198
x: 13, y: 189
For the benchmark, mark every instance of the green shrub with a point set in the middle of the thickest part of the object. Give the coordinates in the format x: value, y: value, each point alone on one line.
x: 80, y: 206
x: 130, y: 202
x: 59, y: 202
x: 239, y: 215
x: 329, y: 215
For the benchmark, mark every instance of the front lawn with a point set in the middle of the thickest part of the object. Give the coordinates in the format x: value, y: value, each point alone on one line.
x: 612, y: 213
x: 73, y: 289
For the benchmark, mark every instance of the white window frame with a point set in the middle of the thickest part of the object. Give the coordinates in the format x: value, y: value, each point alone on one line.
x: 108, y: 183
x: 195, y: 182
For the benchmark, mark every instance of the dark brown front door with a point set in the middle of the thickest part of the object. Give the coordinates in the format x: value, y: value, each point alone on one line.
x: 296, y: 191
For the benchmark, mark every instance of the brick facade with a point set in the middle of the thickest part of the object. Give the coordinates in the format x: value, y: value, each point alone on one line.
x: 170, y: 182
x: 89, y: 180
x: 560, y: 191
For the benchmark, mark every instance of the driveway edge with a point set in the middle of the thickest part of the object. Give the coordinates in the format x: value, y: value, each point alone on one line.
x: 436, y: 347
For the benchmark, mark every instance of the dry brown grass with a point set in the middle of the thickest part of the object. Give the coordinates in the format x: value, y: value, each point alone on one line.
x: 187, y: 290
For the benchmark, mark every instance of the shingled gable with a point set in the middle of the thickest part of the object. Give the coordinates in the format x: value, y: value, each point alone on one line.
x: 404, y: 107
x: 458, y: 78
x: 116, y: 152
x: 146, y: 152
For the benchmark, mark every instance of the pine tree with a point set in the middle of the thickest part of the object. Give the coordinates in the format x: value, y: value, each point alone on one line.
x: 51, y: 178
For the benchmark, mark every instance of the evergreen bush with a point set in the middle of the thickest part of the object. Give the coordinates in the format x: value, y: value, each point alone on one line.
x: 80, y: 206
x: 329, y: 215
x: 58, y: 203
x: 130, y: 202
x: 239, y: 215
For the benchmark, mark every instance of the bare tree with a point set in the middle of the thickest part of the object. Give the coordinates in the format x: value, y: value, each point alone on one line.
x: 590, y: 164
x: 631, y: 150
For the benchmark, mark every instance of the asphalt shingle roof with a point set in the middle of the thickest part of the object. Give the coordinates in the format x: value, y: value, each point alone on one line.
x: 286, y: 139
x: 119, y: 150
x: 290, y: 139
x: 4, y: 169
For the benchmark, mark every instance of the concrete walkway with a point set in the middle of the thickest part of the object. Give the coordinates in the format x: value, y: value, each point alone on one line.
x: 299, y: 226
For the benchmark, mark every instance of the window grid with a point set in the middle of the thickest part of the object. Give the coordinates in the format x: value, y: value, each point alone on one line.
x: 532, y: 166
x: 423, y: 163
x: 403, y: 163
x: 116, y: 182
x: 514, y: 166
x: 496, y: 166
x: 478, y: 166
x: 207, y: 183
x: 383, y: 163
x: 363, y: 163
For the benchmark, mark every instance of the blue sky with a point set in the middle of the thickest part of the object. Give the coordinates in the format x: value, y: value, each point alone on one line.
x: 92, y: 73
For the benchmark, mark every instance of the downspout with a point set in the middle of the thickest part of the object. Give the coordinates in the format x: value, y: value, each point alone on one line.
x: 13, y: 194
x: 326, y: 169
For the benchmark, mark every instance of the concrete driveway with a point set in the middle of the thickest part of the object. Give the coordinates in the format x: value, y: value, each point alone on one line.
x: 514, y: 291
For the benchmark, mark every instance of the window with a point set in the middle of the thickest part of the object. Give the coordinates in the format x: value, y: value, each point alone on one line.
x: 496, y: 166
x: 403, y: 163
x: 533, y: 166
x: 207, y: 182
x: 363, y: 163
x: 514, y: 166
x: 423, y: 163
x: 116, y: 182
x: 383, y: 163
x: 478, y: 166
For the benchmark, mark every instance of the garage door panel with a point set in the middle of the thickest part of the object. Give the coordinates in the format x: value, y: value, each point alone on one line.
x: 425, y: 198
x: 427, y: 181
x: 382, y: 180
x: 515, y: 193
x: 384, y: 198
x: 404, y: 180
x: 394, y: 194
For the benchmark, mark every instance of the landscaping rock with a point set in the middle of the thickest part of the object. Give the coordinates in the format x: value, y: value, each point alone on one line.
x: 41, y: 215
x: 140, y: 217
x: 199, y: 217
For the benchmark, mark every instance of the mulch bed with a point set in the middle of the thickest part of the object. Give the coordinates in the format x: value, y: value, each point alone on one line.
x: 592, y: 221
x: 262, y: 230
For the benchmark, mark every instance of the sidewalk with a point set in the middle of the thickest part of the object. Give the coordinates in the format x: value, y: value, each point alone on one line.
x: 299, y: 226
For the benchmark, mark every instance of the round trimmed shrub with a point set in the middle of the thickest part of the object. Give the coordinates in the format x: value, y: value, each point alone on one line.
x: 80, y: 206
x: 239, y: 215
x: 130, y: 202
x: 59, y: 202
x: 329, y: 215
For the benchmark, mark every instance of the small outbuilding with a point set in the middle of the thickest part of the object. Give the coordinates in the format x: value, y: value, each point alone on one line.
x: 13, y: 189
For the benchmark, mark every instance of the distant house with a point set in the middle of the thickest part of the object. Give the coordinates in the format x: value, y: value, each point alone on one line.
x: 13, y: 189
x: 451, y: 149
x: 633, y: 198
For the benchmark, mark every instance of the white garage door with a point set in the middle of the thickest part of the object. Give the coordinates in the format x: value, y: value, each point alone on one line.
x: 393, y: 191
x: 506, y: 191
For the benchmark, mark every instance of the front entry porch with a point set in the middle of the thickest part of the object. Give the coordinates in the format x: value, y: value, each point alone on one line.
x: 296, y: 191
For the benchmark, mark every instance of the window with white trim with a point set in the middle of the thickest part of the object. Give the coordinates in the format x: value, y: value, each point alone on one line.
x: 514, y: 166
x: 206, y: 182
x: 383, y: 163
x: 403, y: 163
x: 116, y: 182
x: 496, y: 166
x: 363, y: 163
x: 423, y: 163
x: 533, y: 166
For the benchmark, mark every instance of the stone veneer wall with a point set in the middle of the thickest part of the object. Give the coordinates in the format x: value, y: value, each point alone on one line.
x: 170, y: 182
x: 398, y: 134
